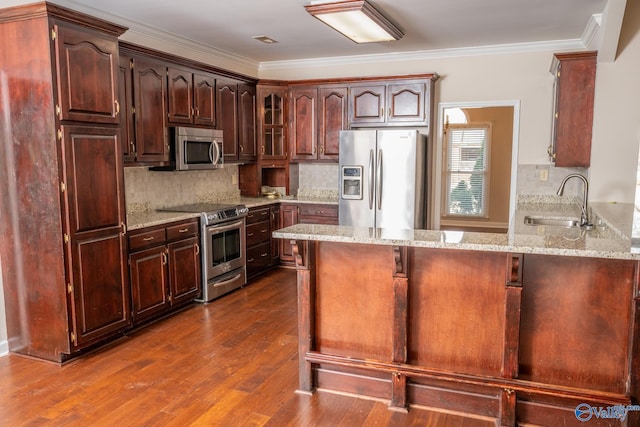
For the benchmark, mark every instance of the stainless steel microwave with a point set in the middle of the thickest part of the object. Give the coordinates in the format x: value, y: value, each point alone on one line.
x: 196, y: 148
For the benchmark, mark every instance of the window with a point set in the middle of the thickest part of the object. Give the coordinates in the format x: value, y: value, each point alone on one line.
x: 466, y: 172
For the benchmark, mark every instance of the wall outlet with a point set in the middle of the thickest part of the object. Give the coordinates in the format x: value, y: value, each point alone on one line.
x: 544, y: 174
x: 234, y: 179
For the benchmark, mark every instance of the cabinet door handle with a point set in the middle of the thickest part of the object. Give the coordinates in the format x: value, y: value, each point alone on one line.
x: 117, y: 106
x: 197, y: 249
x: 148, y: 239
x: 124, y: 228
x: 164, y: 258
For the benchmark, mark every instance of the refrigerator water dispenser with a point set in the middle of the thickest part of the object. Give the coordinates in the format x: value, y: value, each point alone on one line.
x: 351, y: 178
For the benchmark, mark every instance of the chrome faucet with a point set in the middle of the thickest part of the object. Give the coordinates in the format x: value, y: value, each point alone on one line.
x: 584, y: 217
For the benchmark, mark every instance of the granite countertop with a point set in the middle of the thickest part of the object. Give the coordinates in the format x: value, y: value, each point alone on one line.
x: 137, y: 220
x: 609, y: 239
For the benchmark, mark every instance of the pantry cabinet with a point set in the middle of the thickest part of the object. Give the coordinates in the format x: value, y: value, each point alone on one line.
x: 63, y: 234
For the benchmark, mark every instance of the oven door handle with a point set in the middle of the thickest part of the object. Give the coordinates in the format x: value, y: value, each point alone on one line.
x: 219, y: 228
x: 224, y: 282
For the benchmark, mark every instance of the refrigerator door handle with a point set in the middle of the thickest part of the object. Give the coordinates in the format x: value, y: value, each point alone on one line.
x: 371, y: 188
x: 379, y: 179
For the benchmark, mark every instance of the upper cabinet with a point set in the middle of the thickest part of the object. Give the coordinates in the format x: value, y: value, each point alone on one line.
x: 236, y: 117
x: 150, y: 110
x: 392, y: 103
x: 191, y: 97
x: 158, y: 91
x: 247, y: 146
x: 272, y: 129
x: 316, y: 117
x: 87, y: 68
x: 574, y: 80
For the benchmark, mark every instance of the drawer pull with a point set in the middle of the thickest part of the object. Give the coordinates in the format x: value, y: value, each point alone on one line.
x: 263, y: 255
x: 183, y: 230
x: 148, y: 239
x: 249, y: 234
x: 250, y: 260
x: 319, y: 212
x: 264, y: 230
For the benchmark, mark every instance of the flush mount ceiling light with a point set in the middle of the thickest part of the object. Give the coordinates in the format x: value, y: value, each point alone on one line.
x: 356, y: 19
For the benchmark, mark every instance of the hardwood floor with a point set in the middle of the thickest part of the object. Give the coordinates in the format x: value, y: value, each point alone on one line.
x: 232, y: 362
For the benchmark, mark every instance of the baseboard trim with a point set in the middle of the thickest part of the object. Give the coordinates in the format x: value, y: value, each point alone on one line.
x: 4, y: 348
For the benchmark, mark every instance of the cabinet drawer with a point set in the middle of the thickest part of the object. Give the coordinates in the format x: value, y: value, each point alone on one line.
x: 323, y: 214
x: 259, y: 256
x: 182, y: 231
x: 258, y: 233
x: 257, y: 215
x: 146, y: 239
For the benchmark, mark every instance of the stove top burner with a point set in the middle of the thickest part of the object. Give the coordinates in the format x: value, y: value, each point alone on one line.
x: 212, y: 213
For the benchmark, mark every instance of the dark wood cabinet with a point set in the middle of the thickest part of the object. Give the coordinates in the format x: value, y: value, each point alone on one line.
x: 87, y: 74
x: 247, y: 145
x: 165, y: 268
x: 288, y: 217
x: 260, y: 256
x: 367, y: 104
x: 62, y: 241
x: 237, y: 119
x: 574, y: 80
x: 191, y: 97
x: 303, y: 128
x: 227, y: 98
x: 316, y: 117
x: 333, y: 116
x: 271, y: 124
x: 125, y: 95
x: 303, y: 213
x: 275, y: 224
x: 95, y: 237
x: 391, y: 103
x: 150, y: 100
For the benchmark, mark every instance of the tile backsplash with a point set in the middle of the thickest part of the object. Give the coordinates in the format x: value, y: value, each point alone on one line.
x: 147, y: 190
x: 529, y: 183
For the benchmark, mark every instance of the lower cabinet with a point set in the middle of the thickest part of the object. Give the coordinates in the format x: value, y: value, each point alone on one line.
x: 303, y: 213
x: 165, y: 268
x: 261, y: 222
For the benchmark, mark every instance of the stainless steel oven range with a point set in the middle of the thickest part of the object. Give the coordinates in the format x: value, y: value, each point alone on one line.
x: 222, y: 234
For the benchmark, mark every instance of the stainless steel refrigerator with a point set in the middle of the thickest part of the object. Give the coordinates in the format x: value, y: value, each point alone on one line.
x: 383, y: 179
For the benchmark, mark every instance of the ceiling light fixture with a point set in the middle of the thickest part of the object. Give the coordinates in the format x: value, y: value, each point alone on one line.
x: 265, y: 39
x: 356, y: 19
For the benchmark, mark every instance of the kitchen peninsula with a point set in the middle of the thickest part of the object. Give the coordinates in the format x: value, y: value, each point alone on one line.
x: 517, y: 327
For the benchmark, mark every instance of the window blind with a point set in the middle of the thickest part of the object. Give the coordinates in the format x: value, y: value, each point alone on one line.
x: 467, y: 170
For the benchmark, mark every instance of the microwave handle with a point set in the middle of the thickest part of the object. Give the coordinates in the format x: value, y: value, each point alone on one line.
x: 214, y: 153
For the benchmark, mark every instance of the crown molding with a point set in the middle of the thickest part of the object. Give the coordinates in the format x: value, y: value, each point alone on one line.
x: 557, y: 45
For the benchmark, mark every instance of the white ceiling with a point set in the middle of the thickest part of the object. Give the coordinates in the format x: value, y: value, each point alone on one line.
x: 430, y: 26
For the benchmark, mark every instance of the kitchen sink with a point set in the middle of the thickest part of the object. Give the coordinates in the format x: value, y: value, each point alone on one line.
x: 557, y: 222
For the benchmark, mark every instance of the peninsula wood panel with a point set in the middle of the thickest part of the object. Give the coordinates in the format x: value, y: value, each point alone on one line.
x: 575, y: 322
x: 456, y: 310
x: 354, y: 307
